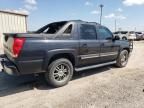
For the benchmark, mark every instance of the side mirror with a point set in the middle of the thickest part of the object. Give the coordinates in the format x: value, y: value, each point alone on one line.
x: 116, y: 38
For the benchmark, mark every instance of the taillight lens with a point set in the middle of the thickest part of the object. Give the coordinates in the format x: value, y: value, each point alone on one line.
x: 17, y: 46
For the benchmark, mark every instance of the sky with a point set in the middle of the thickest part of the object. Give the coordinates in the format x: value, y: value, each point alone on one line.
x: 128, y: 14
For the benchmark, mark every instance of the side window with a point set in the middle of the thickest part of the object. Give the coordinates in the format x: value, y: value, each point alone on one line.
x: 68, y: 30
x: 103, y: 33
x: 87, y: 32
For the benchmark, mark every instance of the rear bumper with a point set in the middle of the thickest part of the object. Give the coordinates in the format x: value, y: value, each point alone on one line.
x: 8, y: 66
x: 139, y: 38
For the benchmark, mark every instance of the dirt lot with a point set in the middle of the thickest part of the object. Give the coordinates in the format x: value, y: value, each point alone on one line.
x: 106, y: 87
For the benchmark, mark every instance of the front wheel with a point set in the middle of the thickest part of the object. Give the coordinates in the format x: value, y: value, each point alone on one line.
x: 59, y: 72
x: 122, y: 59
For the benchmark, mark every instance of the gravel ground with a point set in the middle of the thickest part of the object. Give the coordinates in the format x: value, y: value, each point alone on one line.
x: 106, y: 87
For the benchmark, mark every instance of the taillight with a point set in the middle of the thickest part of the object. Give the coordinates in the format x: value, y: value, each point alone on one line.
x: 17, y: 46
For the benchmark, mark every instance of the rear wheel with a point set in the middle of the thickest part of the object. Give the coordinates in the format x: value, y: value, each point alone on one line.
x: 59, y: 72
x: 122, y: 59
x: 124, y: 38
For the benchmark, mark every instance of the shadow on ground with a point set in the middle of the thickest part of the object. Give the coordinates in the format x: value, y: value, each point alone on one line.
x: 15, y: 84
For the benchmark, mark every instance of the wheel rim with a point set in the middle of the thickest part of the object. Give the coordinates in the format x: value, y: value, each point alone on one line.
x: 124, y: 59
x: 124, y: 38
x: 61, y: 72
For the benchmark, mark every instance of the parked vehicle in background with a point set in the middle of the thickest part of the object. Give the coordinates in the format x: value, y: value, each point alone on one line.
x: 143, y: 35
x: 59, y: 48
x: 139, y: 36
x: 131, y: 35
x: 121, y: 34
x: 125, y: 35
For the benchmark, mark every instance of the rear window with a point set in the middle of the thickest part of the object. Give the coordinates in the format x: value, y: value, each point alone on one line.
x: 124, y: 32
x: 116, y: 33
x: 139, y: 32
x: 68, y: 30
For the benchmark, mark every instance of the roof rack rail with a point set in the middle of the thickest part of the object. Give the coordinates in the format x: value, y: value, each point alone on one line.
x: 94, y: 23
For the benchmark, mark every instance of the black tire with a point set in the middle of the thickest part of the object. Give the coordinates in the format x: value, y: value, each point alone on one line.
x: 59, y: 72
x: 122, y: 59
x: 124, y: 38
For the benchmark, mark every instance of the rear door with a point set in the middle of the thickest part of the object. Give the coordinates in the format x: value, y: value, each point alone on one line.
x: 108, y: 48
x: 89, y: 51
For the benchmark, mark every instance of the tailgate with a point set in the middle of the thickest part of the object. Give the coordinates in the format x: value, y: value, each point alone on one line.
x: 8, y: 44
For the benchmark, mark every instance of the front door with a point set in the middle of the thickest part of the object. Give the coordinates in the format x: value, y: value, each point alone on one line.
x: 109, y: 49
x: 89, y: 51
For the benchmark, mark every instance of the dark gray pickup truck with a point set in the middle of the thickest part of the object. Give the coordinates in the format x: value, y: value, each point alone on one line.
x: 61, y: 48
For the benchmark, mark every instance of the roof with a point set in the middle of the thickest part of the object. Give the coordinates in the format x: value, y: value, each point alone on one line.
x: 16, y: 12
x: 83, y: 21
x: 79, y: 21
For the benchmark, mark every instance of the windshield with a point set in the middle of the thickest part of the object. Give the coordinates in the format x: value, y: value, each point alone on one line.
x: 132, y: 32
x: 139, y: 32
x: 124, y: 32
x: 116, y: 33
x: 51, y: 28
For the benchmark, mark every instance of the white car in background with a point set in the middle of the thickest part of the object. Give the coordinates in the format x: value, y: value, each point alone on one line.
x: 139, y: 36
x: 143, y: 36
x: 125, y: 35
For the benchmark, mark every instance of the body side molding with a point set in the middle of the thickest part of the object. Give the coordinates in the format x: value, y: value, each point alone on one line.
x: 95, y: 66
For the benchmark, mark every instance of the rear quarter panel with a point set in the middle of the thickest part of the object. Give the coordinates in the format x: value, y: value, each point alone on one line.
x: 37, y: 53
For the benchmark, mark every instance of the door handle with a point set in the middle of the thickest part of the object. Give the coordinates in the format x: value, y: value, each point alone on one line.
x: 84, y: 45
x: 102, y: 44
